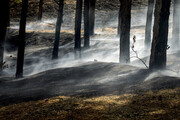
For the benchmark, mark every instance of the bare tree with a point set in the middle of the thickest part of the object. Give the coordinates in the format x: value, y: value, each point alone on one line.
x: 21, y: 42
x: 176, y: 15
x: 160, y: 35
x: 58, y: 29
x: 3, y: 28
x: 125, y: 12
x: 78, y: 20
x: 92, y: 16
x: 86, y: 24
x: 40, y: 10
x: 149, y: 23
x: 119, y: 20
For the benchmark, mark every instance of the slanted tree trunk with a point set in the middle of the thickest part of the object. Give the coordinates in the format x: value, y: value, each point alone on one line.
x: 175, y: 33
x: 21, y: 42
x: 4, y: 10
x: 125, y: 12
x: 119, y: 20
x: 86, y: 24
x: 149, y: 24
x: 40, y: 10
x: 78, y: 20
x: 160, y: 35
x: 92, y: 16
x: 58, y: 29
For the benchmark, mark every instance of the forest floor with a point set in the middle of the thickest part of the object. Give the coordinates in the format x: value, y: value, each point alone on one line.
x: 94, y: 90
x: 96, y: 87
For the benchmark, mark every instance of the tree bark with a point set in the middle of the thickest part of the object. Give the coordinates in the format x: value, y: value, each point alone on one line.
x: 119, y: 20
x: 175, y: 33
x: 21, y: 42
x: 78, y: 20
x: 92, y: 16
x: 149, y: 24
x: 40, y: 10
x: 58, y: 29
x: 86, y: 24
x: 125, y: 12
x: 4, y: 9
x: 160, y: 35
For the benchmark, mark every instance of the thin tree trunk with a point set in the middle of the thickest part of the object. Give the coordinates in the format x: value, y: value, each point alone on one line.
x: 3, y: 28
x: 86, y: 24
x: 58, y: 29
x: 78, y: 20
x: 40, y: 10
x: 175, y: 33
x: 160, y: 35
x: 22, y: 34
x: 92, y: 16
x: 125, y: 12
x: 119, y: 20
x: 149, y: 23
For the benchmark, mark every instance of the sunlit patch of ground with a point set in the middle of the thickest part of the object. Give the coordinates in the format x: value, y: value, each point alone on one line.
x: 159, y: 105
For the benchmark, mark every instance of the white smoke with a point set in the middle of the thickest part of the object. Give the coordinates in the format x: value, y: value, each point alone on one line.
x: 104, y: 46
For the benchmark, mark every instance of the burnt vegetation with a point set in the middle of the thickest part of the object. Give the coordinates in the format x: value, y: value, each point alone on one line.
x: 89, y: 59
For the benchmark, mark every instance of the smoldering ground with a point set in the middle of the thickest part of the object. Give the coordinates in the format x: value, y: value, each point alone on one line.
x: 97, y: 72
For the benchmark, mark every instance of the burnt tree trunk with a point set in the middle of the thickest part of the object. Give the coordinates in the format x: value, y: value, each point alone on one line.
x: 40, y: 10
x: 125, y: 12
x: 160, y: 35
x: 92, y: 16
x: 21, y: 42
x: 175, y: 33
x: 86, y: 24
x: 149, y: 24
x: 58, y: 29
x: 78, y: 20
x: 3, y: 28
x: 119, y: 20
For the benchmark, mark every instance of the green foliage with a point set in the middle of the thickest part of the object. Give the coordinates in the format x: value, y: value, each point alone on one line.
x: 14, y: 2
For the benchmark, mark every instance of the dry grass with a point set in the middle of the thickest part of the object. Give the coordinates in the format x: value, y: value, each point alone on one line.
x: 161, y: 105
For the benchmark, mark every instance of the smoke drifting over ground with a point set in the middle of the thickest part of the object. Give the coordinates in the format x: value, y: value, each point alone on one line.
x: 97, y: 73
x: 104, y: 45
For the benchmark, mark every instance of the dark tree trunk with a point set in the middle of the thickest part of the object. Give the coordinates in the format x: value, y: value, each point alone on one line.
x: 125, y: 12
x: 119, y: 20
x: 21, y: 42
x: 78, y: 21
x: 58, y: 29
x: 3, y: 28
x: 92, y: 16
x: 160, y: 35
x: 176, y: 15
x: 8, y: 21
x: 86, y: 24
x: 149, y: 23
x: 40, y: 10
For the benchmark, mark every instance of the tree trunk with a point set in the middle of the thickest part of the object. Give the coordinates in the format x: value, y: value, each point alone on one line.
x: 78, y: 20
x: 40, y: 10
x: 149, y: 23
x: 86, y: 23
x: 119, y: 20
x: 58, y: 29
x: 160, y: 35
x: 92, y: 16
x: 125, y: 12
x: 21, y: 42
x: 175, y: 33
x: 3, y: 28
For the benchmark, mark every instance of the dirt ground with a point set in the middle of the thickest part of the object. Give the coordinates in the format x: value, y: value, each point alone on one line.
x: 159, y: 105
